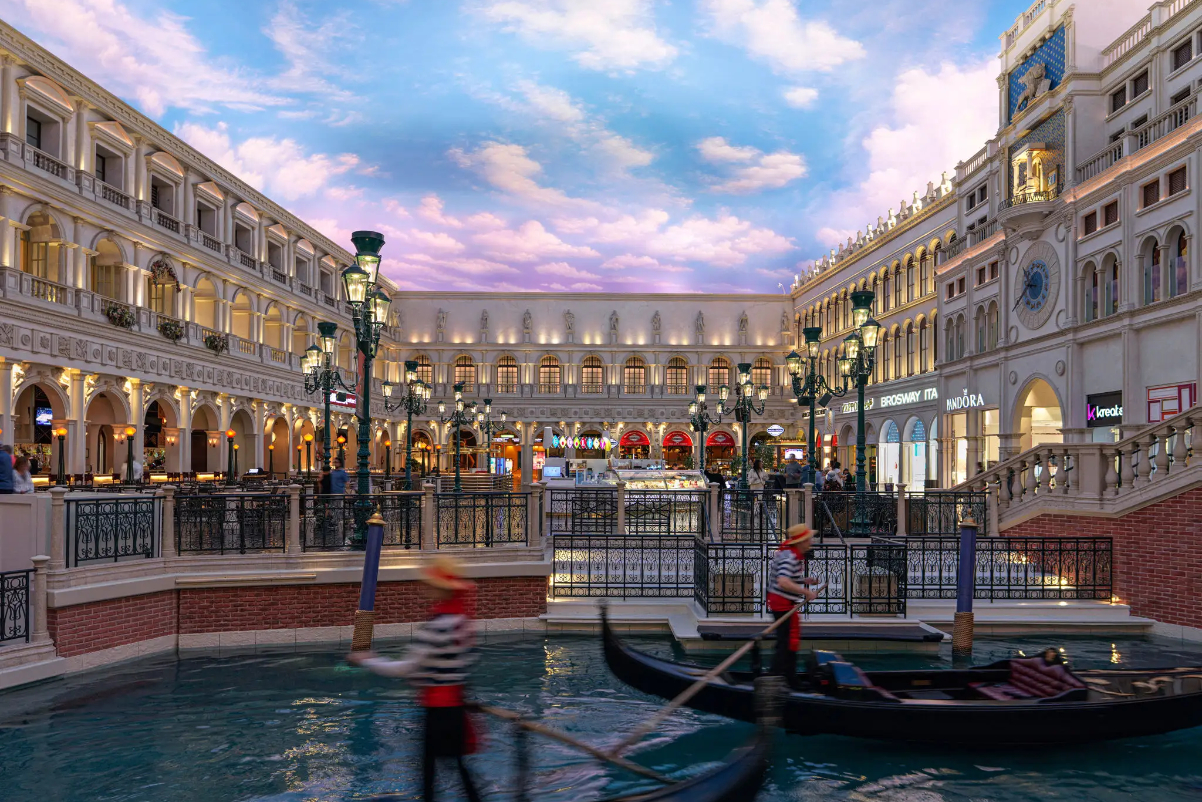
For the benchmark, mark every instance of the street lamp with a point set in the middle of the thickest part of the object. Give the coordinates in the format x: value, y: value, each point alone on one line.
x: 342, y: 449
x: 417, y: 393
x: 369, y: 310
x: 229, y: 462
x: 61, y: 432
x: 300, y: 458
x: 129, y: 454
x: 486, y: 426
x: 746, y: 394
x: 461, y: 416
x: 271, y: 460
x: 387, y: 458
x: 235, y: 459
x: 309, y: 454
x: 699, y: 417
x: 322, y: 376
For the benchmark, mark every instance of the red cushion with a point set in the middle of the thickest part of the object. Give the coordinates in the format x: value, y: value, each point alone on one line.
x: 1035, y: 677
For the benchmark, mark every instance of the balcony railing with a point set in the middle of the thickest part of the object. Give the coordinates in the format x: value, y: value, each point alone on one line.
x: 1127, y: 42
x: 1100, y: 162
x: 306, y: 290
x: 551, y: 389
x: 1035, y: 196
x: 14, y: 605
x: 279, y: 276
x: 1166, y: 123
x: 114, y: 196
x: 592, y: 388
x: 46, y: 162
x: 507, y: 387
x: 278, y: 356
x: 246, y: 260
x: 48, y: 291
x: 212, y: 243
x: 248, y: 347
x: 677, y: 389
x: 1026, y: 19
x: 165, y: 220
x: 634, y: 389
x: 331, y: 301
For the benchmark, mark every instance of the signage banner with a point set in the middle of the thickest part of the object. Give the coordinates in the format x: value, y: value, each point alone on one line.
x: 776, y: 430
x: 678, y: 439
x: 966, y: 400
x: 344, y: 400
x: 720, y: 439
x: 1104, y: 409
x: 635, y: 439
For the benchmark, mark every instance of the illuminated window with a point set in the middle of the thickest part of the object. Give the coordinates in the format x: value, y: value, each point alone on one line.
x: 592, y: 375
x: 634, y: 375
x: 465, y: 373
x: 677, y: 376
x: 549, y: 375
x: 507, y: 375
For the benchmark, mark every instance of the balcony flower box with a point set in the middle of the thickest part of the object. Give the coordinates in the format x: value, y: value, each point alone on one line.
x: 171, y: 329
x: 217, y: 343
x: 120, y: 316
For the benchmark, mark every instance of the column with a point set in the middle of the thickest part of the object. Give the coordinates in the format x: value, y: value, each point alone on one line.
x: 77, y: 427
x: 6, y: 94
x: 260, y: 435
x: 528, y: 453
x: 137, y: 411
x: 83, y: 139
x: 188, y: 213
x: 81, y: 279
x: 140, y: 170
x: 40, y: 632
x: 261, y: 235
x: 227, y: 220
x: 184, y: 448
x: 6, y: 402
x: 226, y: 407
x: 7, y: 234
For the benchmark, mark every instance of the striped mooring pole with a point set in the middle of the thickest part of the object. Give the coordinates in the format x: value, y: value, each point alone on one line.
x: 365, y: 616
x: 965, y: 586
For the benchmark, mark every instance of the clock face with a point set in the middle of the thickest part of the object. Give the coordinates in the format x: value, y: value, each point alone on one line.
x: 1037, y: 285
x: 1036, y: 294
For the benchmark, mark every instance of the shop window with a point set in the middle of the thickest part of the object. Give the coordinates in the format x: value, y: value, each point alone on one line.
x: 1150, y: 193
x: 1089, y: 224
x: 1110, y: 213
x: 1177, y: 181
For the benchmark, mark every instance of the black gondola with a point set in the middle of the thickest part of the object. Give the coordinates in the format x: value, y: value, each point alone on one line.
x: 1019, y: 702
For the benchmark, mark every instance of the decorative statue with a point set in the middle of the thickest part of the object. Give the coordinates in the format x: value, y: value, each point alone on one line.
x: 743, y: 323
x: 613, y: 321
x: 484, y: 319
x: 700, y: 323
x: 784, y: 321
x: 1032, y: 81
x: 569, y: 321
x: 441, y: 320
x: 527, y: 321
x: 655, y: 322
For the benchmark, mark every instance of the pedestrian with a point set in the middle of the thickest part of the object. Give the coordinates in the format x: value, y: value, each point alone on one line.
x: 786, y: 589
x: 22, y: 479
x: 793, y: 472
x: 338, y: 478
x: 6, y: 469
x: 437, y: 664
x: 35, y: 464
x: 847, y: 478
x: 757, y: 477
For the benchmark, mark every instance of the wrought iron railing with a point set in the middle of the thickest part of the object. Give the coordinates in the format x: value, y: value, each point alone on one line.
x: 1031, y: 196
x: 583, y: 512
x: 111, y: 529
x: 666, y: 512
x: 481, y: 519
x: 622, y: 566
x: 752, y: 514
x: 328, y: 521
x: 850, y: 514
x: 938, y: 512
x: 230, y: 523
x: 730, y: 577
x: 15, y: 588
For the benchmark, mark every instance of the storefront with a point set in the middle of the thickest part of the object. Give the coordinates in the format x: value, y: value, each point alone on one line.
x: 1104, y: 416
x: 634, y: 445
x: 678, y: 450
x: 889, y: 453
x: 719, y: 452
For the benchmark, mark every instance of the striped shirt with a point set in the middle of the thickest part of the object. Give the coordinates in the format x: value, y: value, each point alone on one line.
x: 441, y: 652
x: 785, y: 564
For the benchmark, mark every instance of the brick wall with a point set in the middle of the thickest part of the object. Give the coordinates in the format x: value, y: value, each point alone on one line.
x: 86, y: 628
x: 1157, y: 554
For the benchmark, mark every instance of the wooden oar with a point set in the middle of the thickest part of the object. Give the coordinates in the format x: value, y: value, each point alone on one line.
x: 542, y: 729
x: 691, y: 691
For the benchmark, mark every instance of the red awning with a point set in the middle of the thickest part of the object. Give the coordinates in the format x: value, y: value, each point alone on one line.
x: 634, y: 439
x: 720, y: 439
x: 678, y: 439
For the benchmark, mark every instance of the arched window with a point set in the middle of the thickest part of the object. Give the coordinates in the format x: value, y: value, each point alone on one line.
x: 876, y: 295
x: 719, y: 373
x: 676, y: 379
x: 949, y: 340
x: 1110, y: 279
x: 108, y: 272
x: 592, y: 375
x: 898, y: 351
x: 884, y: 296
x: 425, y: 370
x: 761, y: 372
x: 1092, y: 288
x: 1179, y: 267
x: 961, y: 337
x: 160, y: 297
x: 897, y: 287
x: 924, y: 346
x: 507, y: 374
x: 634, y: 375
x: 934, y: 343
x: 886, y: 354
x: 41, y: 248
x: 910, y: 296
x: 550, y: 375
x: 465, y: 373
x: 991, y: 326
x: 1152, y: 273
x: 911, y: 350
x: 980, y: 326
x: 924, y: 274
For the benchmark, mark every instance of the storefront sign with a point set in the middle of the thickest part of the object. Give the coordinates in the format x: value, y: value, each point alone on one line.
x: 911, y: 397
x: 678, y: 439
x: 1168, y: 400
x: 853, y: 406
x: 776, y: 430
x: 720, y: 439
x: 1104, y: 409
x: 965, y: 401
x: 635, y: 439
x: 344, y: 400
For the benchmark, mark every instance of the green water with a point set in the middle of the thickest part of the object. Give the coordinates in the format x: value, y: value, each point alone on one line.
x: 303, y: 726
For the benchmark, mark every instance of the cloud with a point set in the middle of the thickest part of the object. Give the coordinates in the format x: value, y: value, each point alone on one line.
x: 724, y: 242
x: 773, y: 32
x: 609, y: 35
x: 435, y: 240
x: 904, y: 153
x: 154, y: 60
x: 557, y: 108
x: 580, y: 286
x: 307, y: 49
x: 756, y: 172
x: 510, y: 169
x: 279, y: 167
x: 801, y: 97
x: 431, y: 209
x: 563, y: 270
x: 529, y: 242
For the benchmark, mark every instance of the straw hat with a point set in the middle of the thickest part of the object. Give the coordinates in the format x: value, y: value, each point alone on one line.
x: 444, y: 572
x: 798, y: 534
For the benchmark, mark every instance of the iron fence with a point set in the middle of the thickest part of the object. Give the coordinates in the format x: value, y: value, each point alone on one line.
x: 328, y: 521
x: 14, y: 605
x: 665, y: 512
x: 221, y: 523
x: 850, y: 514
x: 112, y: 528
x: 583, y: 512
x: 940, y: 512
x: 877, y: 574
x: 756, y: 515
x: 731, y: 577
x: 622, y: 566
x: 481, y: 519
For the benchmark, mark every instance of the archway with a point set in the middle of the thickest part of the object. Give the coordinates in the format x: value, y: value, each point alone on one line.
x: 890, y: 454
x: 204, y: 440
x: 301, y: 453
x: 276, y: 453
x: 241, y: 317
x: 719, y: 452
x: 160, y: 438
x: 634, y: 445
x: 106, y: 422
x: 914, y: 455
x: 590, y: 445
x: 847, y: 447
x: 467, y: 446
x: 204, y: 304
x: 35, y: 413
x: 423, y: 453
x: 678, y: 450
x: 244, y: 443
x: 1038, y: 416
x: 933, y: 467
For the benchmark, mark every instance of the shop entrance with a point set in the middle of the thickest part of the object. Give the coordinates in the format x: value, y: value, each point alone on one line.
x: 634, y: 445
x: 719, y: 452
x: 1038, y: 416
x: 914, y: 455
x: 678, y: 450
x: 890, y: 454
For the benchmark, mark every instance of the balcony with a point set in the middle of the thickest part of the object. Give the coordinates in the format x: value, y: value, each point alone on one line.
x: 246, y: 260
x: 306, y: 290
x: 48, y: 291
x: 212, y: 243
x: 677, y: 389
x: 971, y: 239
x: 279, y: 276
x: 592, y: 389
x: 1023, y: 213
x: 550, y: 389
x: 164, y: 220
x: 1134, y: 141
x: 45, y: 162
x: 114, y: 196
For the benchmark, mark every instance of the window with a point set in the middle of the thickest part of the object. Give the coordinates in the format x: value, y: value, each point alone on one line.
x: 994, y: 270
x: 991, y: 334
x: 981, y: 273
x: 33, y: 132
x: 960, y: 336
x: 897, y: 288
x: 924, y: 274
x: 1110, y: 213
x: 106, y: 279
x: 1117, y: 135
x: 910, y: 296
x: 886, y: 352
x: 1138, y: 122
x: 327, y: 282
x: 634, y: 375
x: 1182, y: 54
x: 677, y: 376
x: 507, y: 375
x: 981, y: 330
x: 982, y: 194
x: 465, y: 373
x: 1090, y: 223
x: 897, y: 356
x: 1118, y: 99
x: 101, y: 172
x: 1179, y: 267
x: 1180, y: 97
x: 911, y: 351
x: 1152, y: 274
x: 160, y: 297
x: 1140, y: 84
x: 592, y: 375
x: 41, y: 251
x: 960, y: 285
x: 549, y: 375
x: 951, y: 290
x: 761, y: 372
x: 1177, y: 181
x: 425, y: 370
x: 1091, y: 292
x: 1150, y: 193
x: 923, y: 346
x: 719, y: 374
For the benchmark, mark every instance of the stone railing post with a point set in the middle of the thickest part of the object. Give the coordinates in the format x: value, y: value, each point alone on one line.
x: 795, y: 498
x: 167, y: 528
x: 715, y: 506
x: 41, y: 624
x: 293, y: 544
x: 534, y: 523
x: 621, y: 507
x: 429, y: 510
x: 807, y: 504
x: 993, y: 525
x: 58, y: 528
x: 902, y: 509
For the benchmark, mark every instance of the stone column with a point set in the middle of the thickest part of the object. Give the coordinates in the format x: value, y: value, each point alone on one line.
x: 140, y: 191
x: 184, y: 448
x: 188, y: 212
x: 807, y: 504
x: 902, y: 507
x: 7, y: 234
x: 6, y: 94
x: 58, y: 528
x: 429, y: 510
x: 528, y: 454
x: 83, y: 139
x: 6, y: 401
x: 137, y: 411
x: 167, y: 538
x: 260, y: 433
x: 293, y: 544
x: 77, y: 427
x: 40, y: 625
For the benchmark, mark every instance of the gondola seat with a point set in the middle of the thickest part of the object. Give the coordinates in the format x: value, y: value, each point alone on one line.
x: 1034, y: 678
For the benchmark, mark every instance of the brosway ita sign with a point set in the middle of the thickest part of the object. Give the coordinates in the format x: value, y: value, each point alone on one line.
x: 1104, y: 409
x: 894, y: 400
x: 966, y: 401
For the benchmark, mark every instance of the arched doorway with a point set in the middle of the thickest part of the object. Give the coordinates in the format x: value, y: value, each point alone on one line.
x: 106, y: 422
x: 678, y: 450
x: 634, y: 445
x: 847, y: 448
x: 914, y: 455
x: 244, y: 443
x: 933, y: 468
x: 276, y: 451
x: 589, y: 445
x: 719, y: 452
x: 158, y: 437
x: 467, y: 453
x: 1038, y: 416
x: 422, y: 454
x: 204, y: 440
x: 890, y: 454
x: 34, y: 415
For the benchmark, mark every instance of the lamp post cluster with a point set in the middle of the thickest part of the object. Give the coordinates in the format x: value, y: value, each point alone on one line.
x: 413, y: 401
x: 462, y: 415
x: 855, y: 369
x: 321, y: 376
x: 485, y: 424
x: 746, y: 395
x: 699, y: 417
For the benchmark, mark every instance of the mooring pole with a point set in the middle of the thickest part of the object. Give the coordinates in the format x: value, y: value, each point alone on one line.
x: 966, y: 583
x: 365, y: 616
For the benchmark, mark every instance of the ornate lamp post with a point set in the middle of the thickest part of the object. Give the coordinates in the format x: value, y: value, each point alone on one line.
x: 809, y: 384
x: 300, y: 458
x: 229, y: 457
x: 369, y: 310
x: 699, y: 417
x: 271, y: 460
x: 417, y: 393
x: 130, y: 432
x: 321, y: 376
x: 235, y: 459
x: 342, y: 448
x: 485, y: 424
x: 745, y: 406
x: 461, y: 416
x: 309, y: 453
x: 387, y: 458
x: 61, y: 433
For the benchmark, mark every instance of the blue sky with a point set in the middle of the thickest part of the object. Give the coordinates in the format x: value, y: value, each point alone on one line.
x: 625, y: 145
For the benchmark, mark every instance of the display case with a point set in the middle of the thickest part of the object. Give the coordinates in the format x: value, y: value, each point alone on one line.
x: 662, y: 480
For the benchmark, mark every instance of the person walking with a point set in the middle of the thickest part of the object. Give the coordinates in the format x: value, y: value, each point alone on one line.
x: 6, y: 469
x: 436, y: 665
x: 22, y: 478
x: 757, y: 481
x: 338, y: 478
x: 794, y: 473
x: 787, y: 587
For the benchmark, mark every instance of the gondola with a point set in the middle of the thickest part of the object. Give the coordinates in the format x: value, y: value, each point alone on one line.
x: 1014, y: 703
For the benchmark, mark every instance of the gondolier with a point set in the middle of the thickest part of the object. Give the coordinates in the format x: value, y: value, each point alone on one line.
x: 786, y: 588
x: 437, y: 664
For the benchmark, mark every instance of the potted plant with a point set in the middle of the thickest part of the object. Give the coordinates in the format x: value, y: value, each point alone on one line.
x: 120, y: 316
x: 171, y: 329
x: 217, y: 343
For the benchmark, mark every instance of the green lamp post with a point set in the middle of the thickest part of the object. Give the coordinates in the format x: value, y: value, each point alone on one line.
x: 699, y: 417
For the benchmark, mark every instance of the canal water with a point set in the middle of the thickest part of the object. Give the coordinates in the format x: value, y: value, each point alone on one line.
x: 299, y: 726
